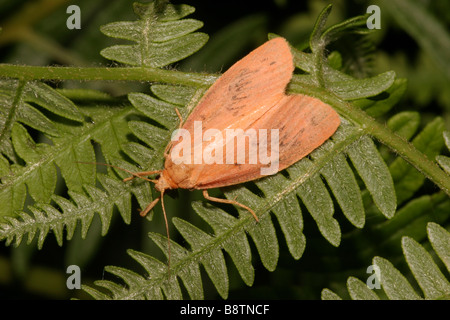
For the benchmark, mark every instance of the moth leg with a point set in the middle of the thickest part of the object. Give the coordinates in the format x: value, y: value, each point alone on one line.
x: 214, y: 199
x: 149, y: 207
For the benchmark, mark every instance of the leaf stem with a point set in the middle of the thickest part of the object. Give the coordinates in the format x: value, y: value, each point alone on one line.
x: 28, y: 73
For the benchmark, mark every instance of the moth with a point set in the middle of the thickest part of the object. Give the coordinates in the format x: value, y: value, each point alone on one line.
x: 250, y: 95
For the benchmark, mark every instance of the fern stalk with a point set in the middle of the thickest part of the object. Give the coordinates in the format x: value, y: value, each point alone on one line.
x: 27, y: 73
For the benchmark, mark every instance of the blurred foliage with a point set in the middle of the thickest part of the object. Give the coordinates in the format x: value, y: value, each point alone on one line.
x: 34, y: 33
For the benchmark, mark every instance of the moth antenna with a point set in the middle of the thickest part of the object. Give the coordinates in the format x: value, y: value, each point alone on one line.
x: 208, y: 197
x: 141, y: 174
x: 147, y: 210
x: 133, y: 174
x: 179, y: 117
x: 167, y: 231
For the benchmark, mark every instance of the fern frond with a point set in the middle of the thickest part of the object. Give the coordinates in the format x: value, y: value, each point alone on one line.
x: 108, y: 127
x: 46, y: 218
x: 18, y: 100
x: 161, y: 37
x: 38, y: 174
x: 432, y: 281
x: 444, y: 161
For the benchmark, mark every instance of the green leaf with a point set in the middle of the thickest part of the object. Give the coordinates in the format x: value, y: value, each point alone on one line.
x: 190, y: 273
x: 42, y: 181
x: 359, y: 291
x: 396, y: 286
x: 156, y: 55
x: 151, y: 135
x: 50, y: 99
x: 348, y: 87
x: 75, y: 173
x: 131, y: 279
x: 440, y: 240
x: 39, y: 172
x: 315, y: 40
x: 305, y: 62
x: 163, y: 112
x: 288, y: 214
x: 162, y: 32
x: 430, y: 278
x: 237, y: 246
x: 356, y: 24
x: 138, y: 153
x: 405, y: 123
x: 264, y: 236
x: 394, y: 283
x: 176, y: 95
x: 378, y: 105
x: 327, y: 294
x: 163, y: 10
x: 15, y: 97
x: 213, y: 262
x: 4, y: 166
x: 95, y: 293
x: 161, y: 39
x: 334, y: 60
x: 375, y: 174
x: 444, y: 161
x: 32, y: 117
x: 263, y: 232
x: 362, y: 88
x: 155, y: 268
x: 82, y: 208
x: 318, y: 202
x: 342, y: 182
